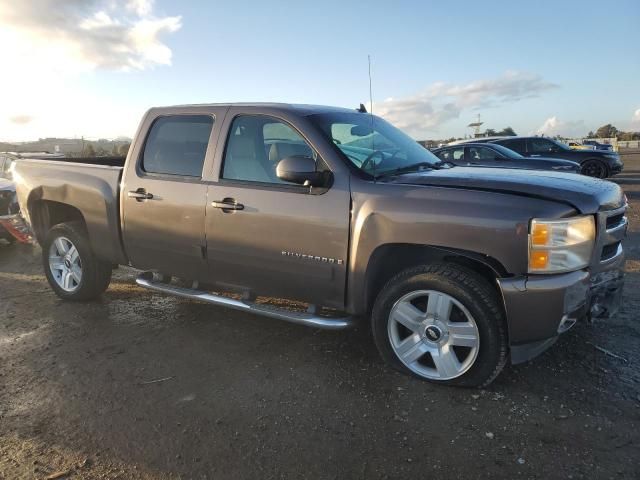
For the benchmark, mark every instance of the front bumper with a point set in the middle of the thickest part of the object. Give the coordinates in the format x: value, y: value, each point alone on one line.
x: 541, y: 307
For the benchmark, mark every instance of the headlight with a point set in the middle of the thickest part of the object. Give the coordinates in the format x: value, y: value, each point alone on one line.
x: 561, y: 245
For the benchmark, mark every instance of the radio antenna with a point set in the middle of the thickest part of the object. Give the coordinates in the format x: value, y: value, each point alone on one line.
x: 373, y: 149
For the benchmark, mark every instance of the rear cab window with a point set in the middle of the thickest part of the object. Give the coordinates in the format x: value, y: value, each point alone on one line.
x: 177, y: 145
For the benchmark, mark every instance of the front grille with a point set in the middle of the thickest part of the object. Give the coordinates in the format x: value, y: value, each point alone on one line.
x: 615, y: 220
x: 610, y: 251
x: 611, y: 228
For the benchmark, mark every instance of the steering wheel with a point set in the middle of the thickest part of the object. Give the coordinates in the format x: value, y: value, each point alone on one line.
x: 380, y: 153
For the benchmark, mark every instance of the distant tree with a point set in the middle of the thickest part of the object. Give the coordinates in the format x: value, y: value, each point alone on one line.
x: 507, y: 132
x: 606, y: 131
x: 591, y: 134
x: 89, y: 151
x: 124, y: 149
x: 490, y: 132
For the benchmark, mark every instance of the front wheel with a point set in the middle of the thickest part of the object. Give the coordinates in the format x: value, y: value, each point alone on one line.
x: 442, y: 323
x: 594, y: 168
x: 70, y: 266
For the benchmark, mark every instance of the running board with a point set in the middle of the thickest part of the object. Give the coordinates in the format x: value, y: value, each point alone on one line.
x: 146, y: 280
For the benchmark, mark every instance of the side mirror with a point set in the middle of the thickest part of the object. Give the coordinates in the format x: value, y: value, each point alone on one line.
x: 300, y: 169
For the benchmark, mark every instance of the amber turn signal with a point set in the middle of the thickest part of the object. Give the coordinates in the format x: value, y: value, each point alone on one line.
x: 540, y: 234
x: 538, y: 259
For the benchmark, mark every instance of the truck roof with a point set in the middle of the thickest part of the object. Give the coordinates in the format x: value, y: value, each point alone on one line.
x: 300, y: 108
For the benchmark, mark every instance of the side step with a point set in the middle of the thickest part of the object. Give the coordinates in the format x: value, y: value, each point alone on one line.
x: 146, y: 280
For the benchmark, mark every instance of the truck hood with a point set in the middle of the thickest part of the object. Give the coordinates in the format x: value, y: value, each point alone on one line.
x: 586, y: 194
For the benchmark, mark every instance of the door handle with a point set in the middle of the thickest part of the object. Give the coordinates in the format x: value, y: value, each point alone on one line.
x: 227, y: 204
x: 140, y: 195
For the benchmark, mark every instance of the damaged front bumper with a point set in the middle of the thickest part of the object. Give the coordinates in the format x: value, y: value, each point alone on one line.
x: 541, y: 307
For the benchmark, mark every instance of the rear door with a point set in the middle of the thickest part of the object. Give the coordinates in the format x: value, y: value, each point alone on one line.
x: 164, y: 195
x: 275, y: 238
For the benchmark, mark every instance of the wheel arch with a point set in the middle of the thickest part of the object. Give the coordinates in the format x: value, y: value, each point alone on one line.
x: 390, y: 259
x: 45, y: 214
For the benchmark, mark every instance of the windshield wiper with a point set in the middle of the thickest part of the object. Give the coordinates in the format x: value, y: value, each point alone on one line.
x: 410, y: 168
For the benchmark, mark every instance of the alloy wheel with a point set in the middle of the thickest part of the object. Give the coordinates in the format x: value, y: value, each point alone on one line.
x: 65, y: 264
x: 433, y: 334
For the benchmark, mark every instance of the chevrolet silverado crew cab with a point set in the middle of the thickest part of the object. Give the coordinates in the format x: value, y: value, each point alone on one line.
x: 458, y: 269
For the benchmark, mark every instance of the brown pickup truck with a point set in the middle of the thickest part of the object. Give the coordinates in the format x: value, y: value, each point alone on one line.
x: 459, y: 269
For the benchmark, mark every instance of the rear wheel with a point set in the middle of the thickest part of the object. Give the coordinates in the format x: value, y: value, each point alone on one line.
x: 594, y: 168
x: 441, y: 323
x: 70, y: 266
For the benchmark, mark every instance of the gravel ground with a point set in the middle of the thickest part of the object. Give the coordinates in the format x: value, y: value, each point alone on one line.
x: 138, y: 385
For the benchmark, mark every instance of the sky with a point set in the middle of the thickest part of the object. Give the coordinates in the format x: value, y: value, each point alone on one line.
x: 92, y: 67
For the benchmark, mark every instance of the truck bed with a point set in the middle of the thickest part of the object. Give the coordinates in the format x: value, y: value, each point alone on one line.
x: 90, y: 188
x: 105, y: 161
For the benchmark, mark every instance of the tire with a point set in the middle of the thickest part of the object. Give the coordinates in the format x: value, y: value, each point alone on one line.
x: 87, y: 277
x: 594, y: 168
x: 474, y: 331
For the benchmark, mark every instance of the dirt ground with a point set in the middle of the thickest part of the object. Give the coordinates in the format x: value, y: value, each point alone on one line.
x: 138, y: 385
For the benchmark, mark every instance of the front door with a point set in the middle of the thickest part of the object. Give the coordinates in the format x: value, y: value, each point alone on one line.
x: 271, y: 237
x: 164, y: 197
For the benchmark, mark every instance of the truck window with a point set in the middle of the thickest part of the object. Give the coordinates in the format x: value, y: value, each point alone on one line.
x: 177, y: 145
x: 515, y: 144
x: 542, y: 145
x: 256, y: 144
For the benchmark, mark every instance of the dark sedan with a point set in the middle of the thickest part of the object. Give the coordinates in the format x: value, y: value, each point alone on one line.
x: 492, y: 155
x: 594, y: 163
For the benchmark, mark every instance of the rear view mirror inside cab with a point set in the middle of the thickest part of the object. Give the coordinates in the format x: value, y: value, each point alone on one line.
x: 360, y: 131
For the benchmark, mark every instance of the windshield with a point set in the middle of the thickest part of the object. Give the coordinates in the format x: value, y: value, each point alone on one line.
x: 372, y: 144
x: 507, y: 152
x: 563, y: 146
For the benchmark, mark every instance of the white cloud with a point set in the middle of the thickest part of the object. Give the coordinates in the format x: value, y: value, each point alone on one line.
x: 441, y: 102
x: 553, y: 126
x: 635, y: 120
x: 88, y: 34
x: 52, y: 46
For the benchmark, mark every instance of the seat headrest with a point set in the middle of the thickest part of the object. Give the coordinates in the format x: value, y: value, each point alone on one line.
x: 274, y: 154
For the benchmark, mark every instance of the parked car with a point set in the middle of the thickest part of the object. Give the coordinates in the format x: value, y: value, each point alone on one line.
x: 497, y: 156
x: 579, y: 146
x: 597, y: 145
x: 594, y: 163
x: 458, y: 269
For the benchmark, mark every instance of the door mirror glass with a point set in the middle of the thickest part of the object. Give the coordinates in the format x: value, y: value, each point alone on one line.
x: 300, y: 169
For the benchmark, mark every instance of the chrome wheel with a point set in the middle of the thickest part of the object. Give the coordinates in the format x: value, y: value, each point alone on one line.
x: 65, y: 264
x: 433, y: 334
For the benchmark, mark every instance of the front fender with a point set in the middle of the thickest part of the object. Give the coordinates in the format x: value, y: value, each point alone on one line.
x: 490, y: 225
